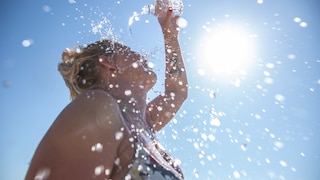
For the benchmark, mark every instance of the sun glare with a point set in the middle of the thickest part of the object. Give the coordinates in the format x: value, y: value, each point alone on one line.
x: 226, y: 51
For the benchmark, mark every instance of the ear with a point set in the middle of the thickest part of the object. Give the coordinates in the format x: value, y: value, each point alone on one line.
x: 107, y: 63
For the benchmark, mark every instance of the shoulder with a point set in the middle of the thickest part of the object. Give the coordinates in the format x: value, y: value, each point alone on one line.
x: 93, y: 117
x: 95, y: 96
x: 95, y: 104
x: 85, y: 127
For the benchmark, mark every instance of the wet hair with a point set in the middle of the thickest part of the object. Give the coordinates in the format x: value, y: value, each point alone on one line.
x: 81, y: 69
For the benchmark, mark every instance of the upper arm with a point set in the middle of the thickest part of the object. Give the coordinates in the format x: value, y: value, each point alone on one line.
x: 81, y: 139
x: 163, y: 108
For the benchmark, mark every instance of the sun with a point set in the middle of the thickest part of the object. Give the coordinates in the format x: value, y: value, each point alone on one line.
x: 226, y: 50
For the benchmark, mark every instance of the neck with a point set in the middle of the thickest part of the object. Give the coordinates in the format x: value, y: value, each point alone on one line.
x: 133, y: 108
x: 132, y: 101
x: 130, y: 94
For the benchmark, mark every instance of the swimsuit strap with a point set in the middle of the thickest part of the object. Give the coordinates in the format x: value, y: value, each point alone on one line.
x: 154, y: 150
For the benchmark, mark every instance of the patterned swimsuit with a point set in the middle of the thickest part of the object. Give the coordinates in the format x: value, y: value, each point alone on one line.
x: 151, y: 160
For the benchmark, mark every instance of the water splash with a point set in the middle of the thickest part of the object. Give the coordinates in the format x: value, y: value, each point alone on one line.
x: 147, y: 9
x: 150, y: 9
x: 164, y: 5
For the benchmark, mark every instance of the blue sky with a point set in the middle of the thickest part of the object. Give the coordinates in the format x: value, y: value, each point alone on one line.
x: 257, y: 121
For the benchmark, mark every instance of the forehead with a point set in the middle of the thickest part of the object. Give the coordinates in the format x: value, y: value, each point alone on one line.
x: 111, y: 47
x: 114, y: 45
x: 121, y: 47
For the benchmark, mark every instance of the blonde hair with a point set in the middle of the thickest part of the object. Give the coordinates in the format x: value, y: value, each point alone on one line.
x: 81, y: 69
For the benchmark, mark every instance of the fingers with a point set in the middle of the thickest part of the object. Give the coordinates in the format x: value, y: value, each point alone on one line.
x: 168, y: 18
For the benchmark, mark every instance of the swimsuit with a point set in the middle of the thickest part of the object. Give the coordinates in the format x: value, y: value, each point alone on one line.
x: 151, y: 161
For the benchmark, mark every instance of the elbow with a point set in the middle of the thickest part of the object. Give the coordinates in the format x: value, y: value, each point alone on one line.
x: 183, y: 93
x: 178, y: 95
x: 178, y: 92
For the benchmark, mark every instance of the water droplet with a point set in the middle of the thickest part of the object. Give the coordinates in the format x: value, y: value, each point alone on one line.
x: 259, y: 86
x: 43, y: 173
x: 150, y: 65
x: 127, y: 92
x: 272, y: 135
x: 97, y: 147
x: 107, y: 172
x: 204, y: 137
x: 211, y: 137
x: 257, y: 116
x: 260, y: 1
x: 135, y: 65
x: 137, y: 18
x: 291, y: 56
x: 117, y: 161
x: 267, y: 160
x: 270, y: 65
x: 297, y: 19
x: 303, y: 24
x: 172, y: 105
x: 279, y: 98
x: 260, y: 148
x: 98, y: 170
x: 196, y: 146
x: 27, y: 42
x: 196, y: 173
x: 243, y: 147
x: 201, y: 72
x: 182, y: 23
x: 215, y: 122
x: 72, y: 1
x: 278, y: 144
x: 266, y: 73
x: 119, y: 135
x: 46, y: 8
x: 159, y: 108
x: 140, y: 167
x: 268, y: 80
x: 236, y: 174
x: 195, y: 130
x: 128, y: 177
x: 211, y: 94
x: 283, y: 163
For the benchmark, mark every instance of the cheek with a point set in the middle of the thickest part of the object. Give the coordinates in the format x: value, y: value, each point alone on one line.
x: 152, y: 78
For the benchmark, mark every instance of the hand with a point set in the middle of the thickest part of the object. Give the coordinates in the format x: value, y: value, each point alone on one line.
x: 167, y: 20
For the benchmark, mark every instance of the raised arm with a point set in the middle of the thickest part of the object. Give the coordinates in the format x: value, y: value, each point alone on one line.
x: 162, y: 109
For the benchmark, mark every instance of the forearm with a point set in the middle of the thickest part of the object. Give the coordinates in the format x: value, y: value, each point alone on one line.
x: 175, y: 75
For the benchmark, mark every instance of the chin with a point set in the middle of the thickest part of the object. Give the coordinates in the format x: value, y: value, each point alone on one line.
x: 152, y: 80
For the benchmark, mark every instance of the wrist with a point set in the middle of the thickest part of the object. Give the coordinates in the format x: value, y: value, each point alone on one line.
x: 170, y: 34
x: 170, y: 38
